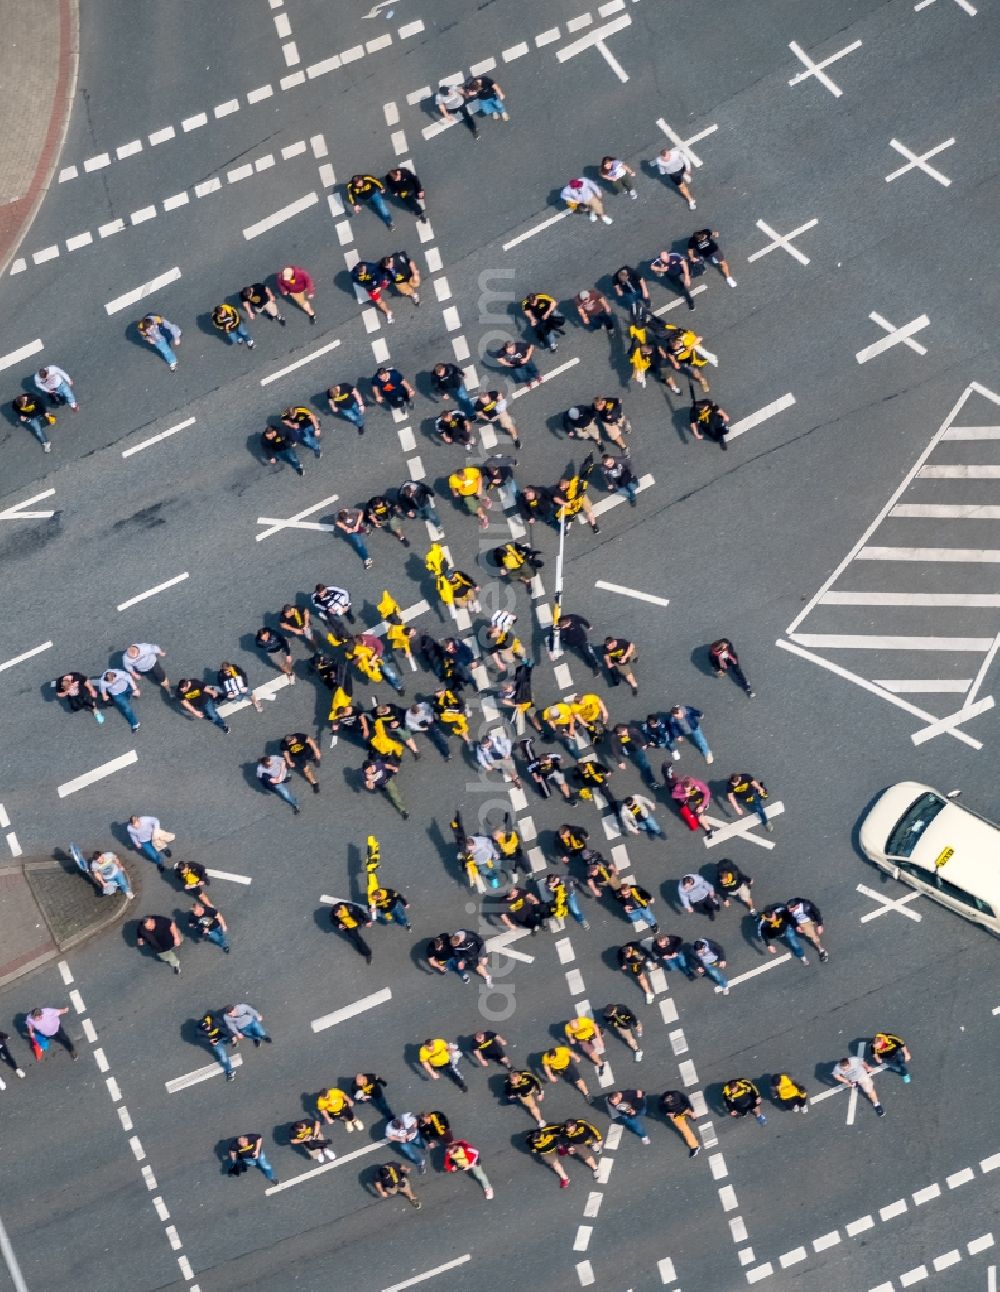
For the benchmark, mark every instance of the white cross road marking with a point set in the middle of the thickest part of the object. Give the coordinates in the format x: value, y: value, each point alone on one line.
x: 685, y: 144
x: 17, y: 512
x: 919, y: 162
x: 962, y: 4
x: 897, y: 336
x: 784, y: 241
x: 873, y: 687
x: 293, y: 522
x: 949, y: 723
x: 908, y: 341
x: 886, y: 904
x: 816, y: 69
x: 595, y: 40
x: 727, y: 830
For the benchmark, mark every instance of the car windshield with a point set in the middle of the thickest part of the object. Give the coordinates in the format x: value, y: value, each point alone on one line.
x: 910, y: 827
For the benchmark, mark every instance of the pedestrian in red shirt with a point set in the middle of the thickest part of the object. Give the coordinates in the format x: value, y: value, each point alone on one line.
x: 461, y: 1156
x: 296, y: 283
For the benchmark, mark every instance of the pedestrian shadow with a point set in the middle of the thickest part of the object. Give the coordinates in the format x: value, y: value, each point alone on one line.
x: 190, y: 1031
x: 207, y: 327
x: 702, y: 661
x: 220, y: 1151
x: 418, y: 957
x: 134, y: 337
x: 748, y: 932
x: 680, y: 419
x: 823, y: 1070
x: 445, y: 848
x: 343, y: 281
x: 713, y: 1097
x: 411, y: 1057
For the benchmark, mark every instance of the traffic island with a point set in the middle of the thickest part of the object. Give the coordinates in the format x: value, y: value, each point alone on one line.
x: 47, y: 907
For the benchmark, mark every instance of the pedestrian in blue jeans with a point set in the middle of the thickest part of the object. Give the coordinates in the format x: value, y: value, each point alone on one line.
x: 628, y: 742
x: 162, y: 335
x: 30, y: 412
x: 141, y: 831
x: 404, y: 1134
x: 628, y: 1107
x: 117, y: 686
x: 710, y: 960
x: 684, y: 721
x: 345, y: 400
x: 249, y: 1150
x: 272, y: 772
x: 243, y: 1021
x: 275, y: 444
x: 212, y: 1030
x: 351, y: 523
x: 776, y: 921
x: 667, y: 951
x: 367, y: 190
x: 516, y: 356
x: 207, y: 921
x: 198, y: 699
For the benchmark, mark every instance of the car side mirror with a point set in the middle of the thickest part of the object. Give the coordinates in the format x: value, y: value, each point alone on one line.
x: 953, y: 794
x: 895, y: 872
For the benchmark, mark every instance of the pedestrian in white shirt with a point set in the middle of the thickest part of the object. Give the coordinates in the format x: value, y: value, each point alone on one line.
x: 58, y: 385
x: 150, y: 838
x: 495, y: 752
x: 143, y: 658
x: 450, y: 99
x: 585, y: 193
x: 675, y: 166
x: 619, y: 175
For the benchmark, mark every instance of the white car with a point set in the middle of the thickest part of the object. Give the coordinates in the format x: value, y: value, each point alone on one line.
x: 926, y: 840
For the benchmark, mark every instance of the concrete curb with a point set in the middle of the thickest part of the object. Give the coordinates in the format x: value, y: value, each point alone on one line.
x: 116, y: 907
x: 68, y: 67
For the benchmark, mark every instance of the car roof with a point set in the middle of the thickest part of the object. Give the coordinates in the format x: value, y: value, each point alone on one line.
x: 974, y: 863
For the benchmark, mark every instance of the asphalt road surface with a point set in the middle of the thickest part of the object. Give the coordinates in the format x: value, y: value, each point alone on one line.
x: 846, y: 156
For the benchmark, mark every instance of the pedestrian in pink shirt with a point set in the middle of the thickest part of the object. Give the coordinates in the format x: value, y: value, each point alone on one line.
x: 296, y: 283
x: 693, y: 797
x: 47, y: 1022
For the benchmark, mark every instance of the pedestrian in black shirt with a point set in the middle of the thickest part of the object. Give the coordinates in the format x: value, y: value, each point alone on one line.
x: 732, y: 882
x: 390, y: 387
x: 257, y: 299
x: 377, y: 774
x: 369, y: 1088
x: 275, y: 444
x: 275, y: 644
x: 677, y: 1108
x: 391, y: 1178
x: 702, y: 246
x: 574, y: 631
x: 406, y: 187
x: 162, y: 936
x: 626, y: 1026
x: 448, y: 382
x: 207, y: 922
x: 349, y: 919
x: 540, y: 309
x: 708, y: 419
x: 612, y: 419
x: 345, y: 401
x: 199, y: 700
x: 619, y: 476
x: 724, y: 659
x: 416, y: 499
x: 516, y: 355
x: 675, y: 267
x: 79, y: 693
x: 489, y: 1045
x: 7, y: 1058
x: 630, y: 286
x: 248, y: 1150
x: 453, y: 427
